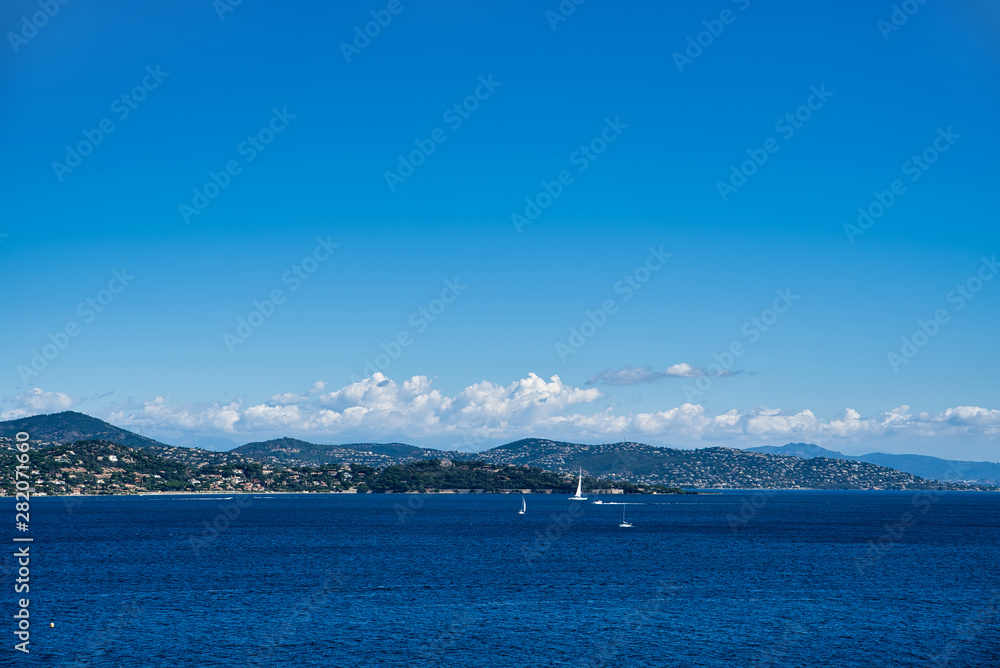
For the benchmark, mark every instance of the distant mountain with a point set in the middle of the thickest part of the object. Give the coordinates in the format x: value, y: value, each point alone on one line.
x: 613, y: 459
x: 932, y: 468
x: 70, y: 426
x: 293, y: 452
x: 804, y: 450
x: 809, y: 466
x: 704, y: 468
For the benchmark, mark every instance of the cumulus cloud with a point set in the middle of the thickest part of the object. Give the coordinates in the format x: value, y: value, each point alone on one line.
x: 381, y: 405
x: 630, y: 375
x: 373, y: 408
x: 37, y: 400
x: 212, y: 417
x: 486, y: 413
x: 684, y: 370
x: 287, y: 398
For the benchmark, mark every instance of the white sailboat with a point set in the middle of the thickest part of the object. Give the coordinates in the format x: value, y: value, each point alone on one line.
x: 524, y: 506
x: 579, y: 490
x: 623, y: 524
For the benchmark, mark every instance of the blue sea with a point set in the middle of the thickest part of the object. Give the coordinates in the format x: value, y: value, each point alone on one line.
x: 790, y: 578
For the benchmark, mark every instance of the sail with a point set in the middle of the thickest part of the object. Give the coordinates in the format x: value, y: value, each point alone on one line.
x: 579, y: 489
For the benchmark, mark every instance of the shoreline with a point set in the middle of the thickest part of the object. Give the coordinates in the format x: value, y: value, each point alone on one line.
x: 699, y: 492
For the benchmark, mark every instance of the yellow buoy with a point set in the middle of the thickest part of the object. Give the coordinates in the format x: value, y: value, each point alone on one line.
x: 52, y: 625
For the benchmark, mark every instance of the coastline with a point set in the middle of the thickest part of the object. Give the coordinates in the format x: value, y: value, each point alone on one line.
x: 698, y: 492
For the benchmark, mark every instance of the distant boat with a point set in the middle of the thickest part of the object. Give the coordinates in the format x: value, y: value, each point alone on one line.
x: 598, y: 503
x: 524, y: 506
x: 579, y: 490
x: 623, y: 524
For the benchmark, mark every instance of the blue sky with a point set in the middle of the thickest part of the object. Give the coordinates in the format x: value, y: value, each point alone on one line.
x: 643, y: 139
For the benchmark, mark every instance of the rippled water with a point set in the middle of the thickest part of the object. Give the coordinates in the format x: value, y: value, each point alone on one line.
x: 737, y: 579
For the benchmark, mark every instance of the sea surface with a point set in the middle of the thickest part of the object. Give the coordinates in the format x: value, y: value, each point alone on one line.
x: 790, y: 578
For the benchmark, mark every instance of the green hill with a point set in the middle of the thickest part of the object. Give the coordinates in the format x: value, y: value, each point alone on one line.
x: 291, y: 451
x: 933, y: 468
x: 96, y: 466
x: 715, y: 467
x: 70, y: 426
x: 291, y: 464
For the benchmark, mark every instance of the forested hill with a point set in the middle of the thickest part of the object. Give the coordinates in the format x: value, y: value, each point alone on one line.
x: 103, y: 467
x: 716, y: 467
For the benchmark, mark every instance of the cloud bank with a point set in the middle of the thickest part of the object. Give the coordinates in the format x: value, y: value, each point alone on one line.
x: 36, y: 401
x: 630, y: 375
x: 486, y: 414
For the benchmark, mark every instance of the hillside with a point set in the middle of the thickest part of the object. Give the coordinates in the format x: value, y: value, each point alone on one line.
x: 288, y: 462
x: 102, y: 467
x: 95, y: 466
x: 933, y: 468
x: 717, y: 468
x: 293, y: 452
x: 70, y: 426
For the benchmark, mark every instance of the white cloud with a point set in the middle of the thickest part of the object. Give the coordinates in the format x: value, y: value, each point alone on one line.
x: 37, y: 400
x: 630, y: 375
x: 160, y: 413
x: 288, y: 398
x: 684, y: 370
x: 487, y: 413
